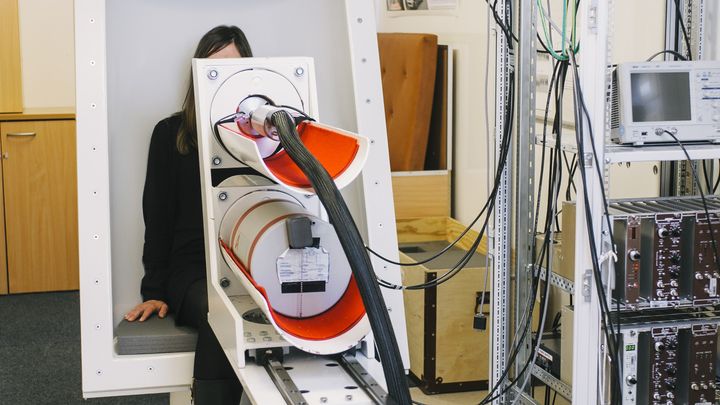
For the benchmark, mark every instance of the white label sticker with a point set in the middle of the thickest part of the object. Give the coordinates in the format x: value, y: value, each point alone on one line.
x: 308, y: 264
x: 713, y: 287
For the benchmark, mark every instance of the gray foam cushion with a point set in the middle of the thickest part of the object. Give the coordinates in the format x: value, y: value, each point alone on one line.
x: 155, y: 335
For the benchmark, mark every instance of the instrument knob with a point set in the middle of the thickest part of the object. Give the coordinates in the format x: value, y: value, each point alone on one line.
x: 634, y: 255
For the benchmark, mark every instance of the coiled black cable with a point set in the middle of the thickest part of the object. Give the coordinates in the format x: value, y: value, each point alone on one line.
x: 352, y: 243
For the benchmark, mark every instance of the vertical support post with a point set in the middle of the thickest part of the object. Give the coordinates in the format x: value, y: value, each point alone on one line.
x: 676, y: 177
x: 587, y: 352
x: 525, y: 173
x: 501, y: 221
x: 669, y: 171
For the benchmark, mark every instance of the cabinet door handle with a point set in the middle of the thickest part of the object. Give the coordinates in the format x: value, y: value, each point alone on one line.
x: 22, y: 134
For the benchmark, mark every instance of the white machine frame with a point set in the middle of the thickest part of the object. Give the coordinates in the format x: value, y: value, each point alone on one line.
x: 104, y: 372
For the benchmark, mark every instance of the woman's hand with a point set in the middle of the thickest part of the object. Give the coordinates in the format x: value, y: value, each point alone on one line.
x: 146, y: 309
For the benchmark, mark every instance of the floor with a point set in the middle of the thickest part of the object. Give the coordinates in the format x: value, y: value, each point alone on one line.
x: 44, y: 329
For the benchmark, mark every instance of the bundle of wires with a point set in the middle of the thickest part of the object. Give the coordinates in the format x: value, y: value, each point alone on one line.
x: 548, y: 25
x: 352, y: 244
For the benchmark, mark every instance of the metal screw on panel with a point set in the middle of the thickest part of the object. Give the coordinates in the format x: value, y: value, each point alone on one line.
x: 213, y: 74
x: 216, y: 160
x: 323, y: 400
x: 299, y: 71
x: 224, y: 282
x: 348, y: 397
x: 223, y: 196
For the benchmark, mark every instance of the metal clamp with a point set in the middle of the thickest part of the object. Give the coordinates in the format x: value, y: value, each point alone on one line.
x: 587, y: 285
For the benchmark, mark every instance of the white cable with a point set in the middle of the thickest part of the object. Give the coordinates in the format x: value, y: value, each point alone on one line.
x: 553, y: 25
x: 607, y: 256
x: 488, y: 152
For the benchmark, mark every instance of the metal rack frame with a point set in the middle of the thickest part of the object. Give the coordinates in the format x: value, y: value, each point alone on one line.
x: 593, y: 28
x: 499, y: 246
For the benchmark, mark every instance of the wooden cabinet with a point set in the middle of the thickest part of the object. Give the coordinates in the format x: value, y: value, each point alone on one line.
x: 10, y: 73
x: 40, y: 205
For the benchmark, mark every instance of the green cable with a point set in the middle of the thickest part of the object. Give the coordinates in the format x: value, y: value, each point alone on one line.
x: 563, y: 56
x: 574, y: 27
x: 551, y: 47
x: 564, y: 27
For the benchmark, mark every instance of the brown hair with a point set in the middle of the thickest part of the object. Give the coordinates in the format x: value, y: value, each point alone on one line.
x: 215, y: 40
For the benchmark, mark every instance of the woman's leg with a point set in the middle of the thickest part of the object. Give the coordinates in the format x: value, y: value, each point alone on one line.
x: 215, y: 380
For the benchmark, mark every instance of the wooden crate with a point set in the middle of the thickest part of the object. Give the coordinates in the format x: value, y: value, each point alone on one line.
x: 421, y: 194
x: 446, y: 353
x: 567, y: 264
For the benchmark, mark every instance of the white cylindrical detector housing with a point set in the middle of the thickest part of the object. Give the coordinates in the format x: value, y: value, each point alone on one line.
x: 307, y: 292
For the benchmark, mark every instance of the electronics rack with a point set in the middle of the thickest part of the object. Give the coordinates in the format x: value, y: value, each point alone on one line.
x: 590, y: 372
x: 665, y: 252
x: 670, y: 359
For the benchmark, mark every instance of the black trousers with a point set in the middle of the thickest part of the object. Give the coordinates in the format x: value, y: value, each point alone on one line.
x: 210, y: 360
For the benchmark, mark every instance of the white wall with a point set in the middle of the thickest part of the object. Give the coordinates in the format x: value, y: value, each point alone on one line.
x: 47, y: 53
x: 465, y: 30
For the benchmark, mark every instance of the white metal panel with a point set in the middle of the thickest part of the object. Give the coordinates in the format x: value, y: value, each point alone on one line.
x: 586, y: 328
x: 102, y: 370
x: 133, y: 63
x: 376, y: 179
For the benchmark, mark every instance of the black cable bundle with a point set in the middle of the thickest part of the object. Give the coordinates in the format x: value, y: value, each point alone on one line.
x: 352, y: 243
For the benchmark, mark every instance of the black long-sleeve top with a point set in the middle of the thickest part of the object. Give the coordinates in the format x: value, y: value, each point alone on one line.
x: 174, y: 249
